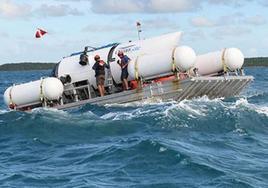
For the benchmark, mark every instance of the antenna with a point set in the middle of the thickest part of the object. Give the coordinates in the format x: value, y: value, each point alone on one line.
x: 138, y: 24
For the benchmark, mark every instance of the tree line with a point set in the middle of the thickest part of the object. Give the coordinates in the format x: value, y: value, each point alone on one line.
x: 26, y: 66
x: 249, y: 62
x: 256, y: 61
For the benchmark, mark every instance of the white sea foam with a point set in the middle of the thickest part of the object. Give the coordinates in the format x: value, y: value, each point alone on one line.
x: 49, y: 110
x: 118, y: 116
x: 262, y: 110
x: 186, y: 106
x: 242, y: 102
x: 240, y: 131
x: 206, y: 99
x: 162, y: 149
x: 139, y: 112
x: 110, y: 115
x: 142, y: 103
x: 4, y: 111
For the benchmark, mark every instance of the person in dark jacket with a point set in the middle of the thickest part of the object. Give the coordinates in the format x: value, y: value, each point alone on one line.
x: 99, y: 68
x: 84, y: 57
x: 123, y: 62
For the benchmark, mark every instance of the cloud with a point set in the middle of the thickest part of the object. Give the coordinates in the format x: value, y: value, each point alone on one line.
x: 194, y: 35
x: 263, y: 2
x: 228, y: 20
x: 160, y: 23
x: 254, y: 20
x: 11, y: 10
x: 4, y: 35
x: 143, y: 6
x: 57, y: 10
x: 158, y: 6
x: 164, y: 6
x: 202, y: 22
x: 105, y: 28
x: 147, y: 24
x: 231, y: 31
x: 116, y: 6
x: 253, y: 52
x: 235, y: 3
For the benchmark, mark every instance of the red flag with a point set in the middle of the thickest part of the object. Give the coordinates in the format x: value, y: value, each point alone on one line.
x: 139, y: 26
x: 39, y: 33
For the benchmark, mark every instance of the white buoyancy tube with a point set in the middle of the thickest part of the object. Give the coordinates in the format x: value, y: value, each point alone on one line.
x: 144, y: 47
x: 214, y: 62
x: 34, y: 92
x: 70, y: 65
x: 150, y: 66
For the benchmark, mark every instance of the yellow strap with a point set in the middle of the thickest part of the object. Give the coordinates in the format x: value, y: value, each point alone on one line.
x: 173, y: 60
x: 225, y: 68
x: 10, y: 96
x: 136, y: 69
x: 41, y: 90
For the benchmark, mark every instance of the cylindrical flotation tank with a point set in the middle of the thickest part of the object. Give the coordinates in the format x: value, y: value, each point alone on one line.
x: 32, y: 92
x: 149, y: 66
x: 145, y: 47
x: 214, y: 62
x: 70, y: 65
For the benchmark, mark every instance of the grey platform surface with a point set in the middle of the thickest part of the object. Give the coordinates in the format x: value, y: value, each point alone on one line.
x: 213, y: 87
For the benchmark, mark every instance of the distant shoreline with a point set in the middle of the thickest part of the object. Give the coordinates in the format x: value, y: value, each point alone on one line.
x: 256, y: 62
x: 29, y: 66
x: 26, y: 66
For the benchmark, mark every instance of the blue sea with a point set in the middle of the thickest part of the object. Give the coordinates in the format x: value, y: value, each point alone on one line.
x: 192, y: 143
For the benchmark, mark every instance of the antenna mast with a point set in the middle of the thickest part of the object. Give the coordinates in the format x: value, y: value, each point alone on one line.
x: 139, y: 30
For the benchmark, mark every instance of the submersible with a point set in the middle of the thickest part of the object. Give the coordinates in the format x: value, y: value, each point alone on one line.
x: 160, y: 68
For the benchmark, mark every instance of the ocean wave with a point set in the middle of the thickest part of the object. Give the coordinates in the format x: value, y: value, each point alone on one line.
x: 4, y: 111
x: 243, y: 103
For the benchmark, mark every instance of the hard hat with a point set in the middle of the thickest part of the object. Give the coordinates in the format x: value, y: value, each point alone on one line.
x: 97, y: 57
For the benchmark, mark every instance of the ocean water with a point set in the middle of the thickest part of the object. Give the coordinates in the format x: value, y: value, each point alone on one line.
x: 193, y: 143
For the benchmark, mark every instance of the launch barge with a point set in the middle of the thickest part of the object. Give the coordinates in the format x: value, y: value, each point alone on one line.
x: 213, y: 87
x: 160, y: 69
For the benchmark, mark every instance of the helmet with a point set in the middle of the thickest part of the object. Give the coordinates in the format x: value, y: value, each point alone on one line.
x: 97, y: 57
x: 120, y: 53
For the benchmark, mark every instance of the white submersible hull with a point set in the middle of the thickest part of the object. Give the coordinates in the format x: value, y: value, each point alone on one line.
x: 160, y: 68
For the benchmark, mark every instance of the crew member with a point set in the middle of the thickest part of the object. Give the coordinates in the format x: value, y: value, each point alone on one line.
x: 84, y: 57
x: 99, y: 68
x: 123, y: 62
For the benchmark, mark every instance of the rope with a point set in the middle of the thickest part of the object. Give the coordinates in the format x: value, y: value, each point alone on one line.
x: 10, y: 97
x: 225, y: 68
x: 174, y: 70
x: 41, y: 90
x: 136, y: 69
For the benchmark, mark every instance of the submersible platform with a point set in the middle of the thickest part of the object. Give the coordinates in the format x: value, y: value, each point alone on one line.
x: 212, y: 87
x: 159, y: 69
x: 175, y: 89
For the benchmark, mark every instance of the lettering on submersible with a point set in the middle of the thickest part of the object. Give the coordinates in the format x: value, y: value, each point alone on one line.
x: 130, y: 48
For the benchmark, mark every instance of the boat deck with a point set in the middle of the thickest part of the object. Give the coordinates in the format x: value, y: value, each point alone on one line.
x: 213, y: 87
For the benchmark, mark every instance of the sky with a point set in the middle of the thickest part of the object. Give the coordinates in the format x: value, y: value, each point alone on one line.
x: 207, y: 25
